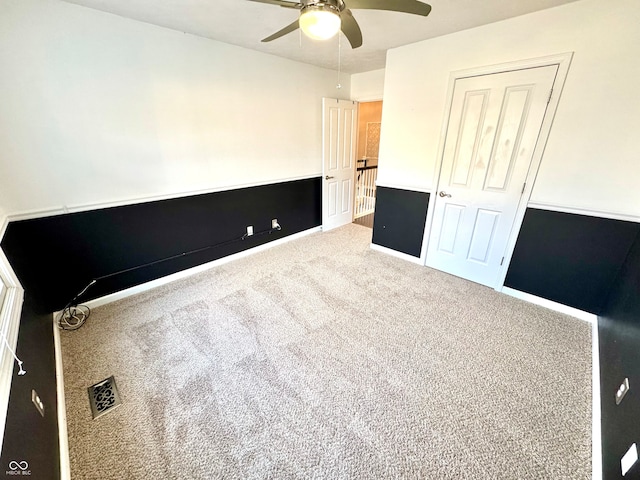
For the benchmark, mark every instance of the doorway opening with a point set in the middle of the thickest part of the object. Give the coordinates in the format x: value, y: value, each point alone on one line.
x: 368, y: 145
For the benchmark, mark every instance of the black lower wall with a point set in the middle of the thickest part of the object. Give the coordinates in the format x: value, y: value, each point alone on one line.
x: 29, y: 437
x: 570, y: 259
x: 56, y: 257
x: 399, y: 219
x: 619, y: 343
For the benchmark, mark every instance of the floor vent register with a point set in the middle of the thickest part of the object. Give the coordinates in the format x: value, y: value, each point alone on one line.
x: 103, y: 397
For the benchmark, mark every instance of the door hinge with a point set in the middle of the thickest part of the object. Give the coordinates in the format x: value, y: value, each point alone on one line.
x: 502, y: 261
x: 523, y: 187
x: 550, y: 95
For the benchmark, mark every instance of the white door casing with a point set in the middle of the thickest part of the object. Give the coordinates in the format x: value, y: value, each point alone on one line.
x: 3, y: 291
x: 10, y: 309
x: 493, y: 127
x: 339, y: 126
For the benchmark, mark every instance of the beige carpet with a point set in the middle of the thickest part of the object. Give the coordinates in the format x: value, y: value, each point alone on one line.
x: 322, y: 358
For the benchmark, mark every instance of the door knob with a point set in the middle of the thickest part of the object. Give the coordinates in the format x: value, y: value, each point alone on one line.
x: 445, y: 194
x: 328, y: 177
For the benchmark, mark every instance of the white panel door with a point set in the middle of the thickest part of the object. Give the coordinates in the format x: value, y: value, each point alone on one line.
x: 491, y: 135
x: 338, y: 154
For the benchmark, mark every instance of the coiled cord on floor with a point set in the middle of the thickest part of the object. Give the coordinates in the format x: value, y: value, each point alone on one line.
x: 73, y: 316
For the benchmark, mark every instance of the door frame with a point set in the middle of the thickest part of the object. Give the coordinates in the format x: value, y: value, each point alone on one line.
x: 10, y: 310
x: 359, y: 102
x: 563, y: 61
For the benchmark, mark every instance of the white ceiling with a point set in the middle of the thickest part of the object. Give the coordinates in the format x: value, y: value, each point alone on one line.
x: 245, y: 23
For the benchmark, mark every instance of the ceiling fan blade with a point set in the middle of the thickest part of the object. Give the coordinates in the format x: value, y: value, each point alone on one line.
x: 280, y: 33
x: 405, y: 6
x: 282, y: 3
x: 351, y: 29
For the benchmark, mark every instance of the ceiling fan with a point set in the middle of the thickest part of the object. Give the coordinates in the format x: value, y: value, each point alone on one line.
x: 322, y: 19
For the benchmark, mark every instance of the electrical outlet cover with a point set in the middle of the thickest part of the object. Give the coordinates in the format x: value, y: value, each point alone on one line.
x: 35, y: 398
x: 629, y: 460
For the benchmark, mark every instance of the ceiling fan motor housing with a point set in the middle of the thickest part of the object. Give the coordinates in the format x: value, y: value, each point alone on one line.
x: 335, y: 6
x: 320, y: 20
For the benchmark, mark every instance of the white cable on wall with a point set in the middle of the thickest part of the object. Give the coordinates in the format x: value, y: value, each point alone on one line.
x: 22, y: 371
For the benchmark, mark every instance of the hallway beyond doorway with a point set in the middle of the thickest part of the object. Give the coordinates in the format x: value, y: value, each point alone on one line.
x: 366, y: 220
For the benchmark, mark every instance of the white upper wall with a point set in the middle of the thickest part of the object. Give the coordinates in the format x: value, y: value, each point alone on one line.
x: 591, y: 160
x: 97, y: 108
x: 367, y: 86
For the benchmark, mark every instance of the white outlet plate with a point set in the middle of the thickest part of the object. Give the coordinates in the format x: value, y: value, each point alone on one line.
x: 35, y: 398
x: 250, y: 230
x: 274, y: 223
x: 629, y: 459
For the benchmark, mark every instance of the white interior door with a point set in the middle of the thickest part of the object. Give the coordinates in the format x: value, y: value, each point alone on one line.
x: 493, y: 128
x: 339, y: 119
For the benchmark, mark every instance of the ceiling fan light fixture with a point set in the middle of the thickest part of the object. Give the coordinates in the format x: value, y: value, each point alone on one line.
x: 320, y: 22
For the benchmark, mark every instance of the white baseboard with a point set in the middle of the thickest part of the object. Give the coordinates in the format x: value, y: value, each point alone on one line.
x: 394, y: 253
x: 596, y: 430
x: 558, y: 307
x: 65, y: 466
x: 192, y: 271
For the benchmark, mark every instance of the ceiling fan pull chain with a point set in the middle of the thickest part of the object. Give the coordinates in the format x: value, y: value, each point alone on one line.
x: 339, y: 86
